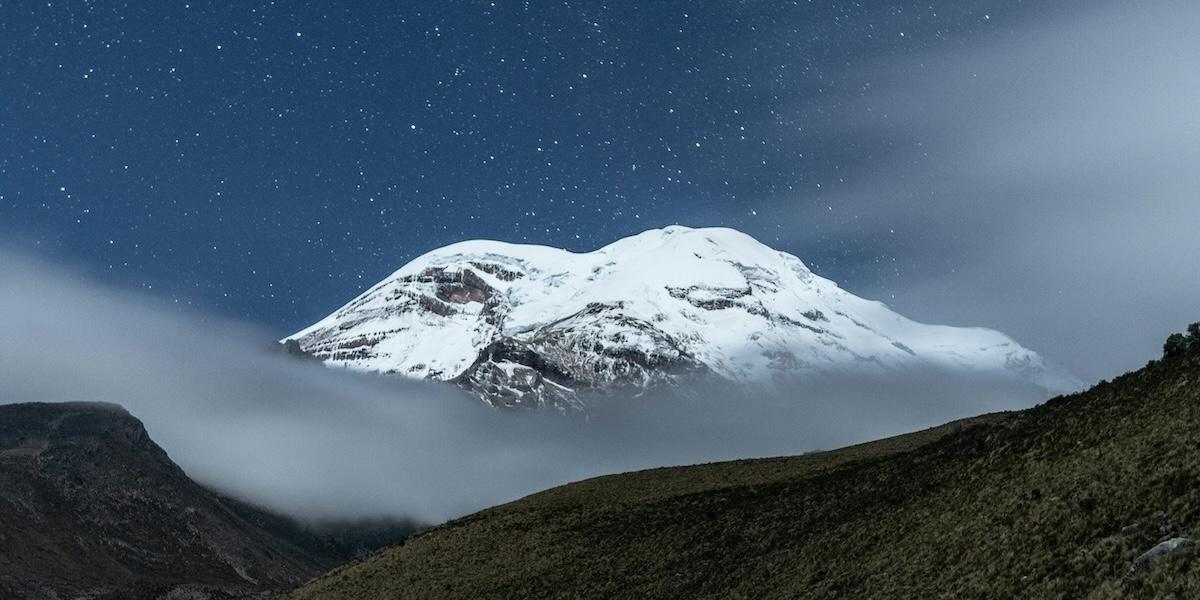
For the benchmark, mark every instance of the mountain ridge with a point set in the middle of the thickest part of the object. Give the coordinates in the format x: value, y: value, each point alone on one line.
x: 91, y: 506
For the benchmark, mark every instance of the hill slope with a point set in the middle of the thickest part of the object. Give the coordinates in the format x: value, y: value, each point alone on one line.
x: 523, y: 325
x: 90, y: 506
x: 1054, y: 502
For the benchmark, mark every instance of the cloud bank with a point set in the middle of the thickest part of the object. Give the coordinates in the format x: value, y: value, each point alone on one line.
x: 1045, y: 181
x: 326, y: 444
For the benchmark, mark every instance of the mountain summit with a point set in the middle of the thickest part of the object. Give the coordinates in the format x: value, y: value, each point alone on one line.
x: 526, y: 326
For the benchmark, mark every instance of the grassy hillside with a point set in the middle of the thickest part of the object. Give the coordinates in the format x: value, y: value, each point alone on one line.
x: 1053, y: 502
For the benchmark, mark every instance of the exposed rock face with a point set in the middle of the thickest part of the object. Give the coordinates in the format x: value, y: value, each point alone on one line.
x: 292, y: 348
x: 531, y: 326
x: 90, y: 505
x: 585, y: 352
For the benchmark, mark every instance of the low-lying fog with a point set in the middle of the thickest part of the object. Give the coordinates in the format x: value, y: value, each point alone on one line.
x: 321, y: 443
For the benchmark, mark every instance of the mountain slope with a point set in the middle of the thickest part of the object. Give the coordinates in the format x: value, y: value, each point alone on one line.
x: 522, y: 325
x: 90, y: 505
x: 1059, y: 501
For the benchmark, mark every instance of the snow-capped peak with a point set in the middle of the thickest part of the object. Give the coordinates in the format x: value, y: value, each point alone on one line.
x: 523, y: 325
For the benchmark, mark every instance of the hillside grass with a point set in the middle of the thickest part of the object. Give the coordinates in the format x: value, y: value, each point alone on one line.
x: 1052, y: 502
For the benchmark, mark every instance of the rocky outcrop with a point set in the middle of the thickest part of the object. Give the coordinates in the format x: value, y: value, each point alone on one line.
x: 597, y: 350
x: 1171, y: 547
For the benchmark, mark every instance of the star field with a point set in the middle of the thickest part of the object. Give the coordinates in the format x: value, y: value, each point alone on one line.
x: 268, y: 160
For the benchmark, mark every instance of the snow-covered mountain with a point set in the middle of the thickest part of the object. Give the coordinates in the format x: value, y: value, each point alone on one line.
x: 524, y: 325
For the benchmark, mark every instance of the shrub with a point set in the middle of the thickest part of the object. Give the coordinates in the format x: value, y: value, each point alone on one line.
x: 1177, y: 345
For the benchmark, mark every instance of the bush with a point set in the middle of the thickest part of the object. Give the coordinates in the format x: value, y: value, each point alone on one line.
x: 1177, y: 345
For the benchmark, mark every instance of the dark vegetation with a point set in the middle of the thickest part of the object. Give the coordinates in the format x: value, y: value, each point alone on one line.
x: 1179, y: 344
x: 1058, y: 501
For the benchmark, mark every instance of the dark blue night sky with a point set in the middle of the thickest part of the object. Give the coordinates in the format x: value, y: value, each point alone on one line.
x: 268, y: 160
